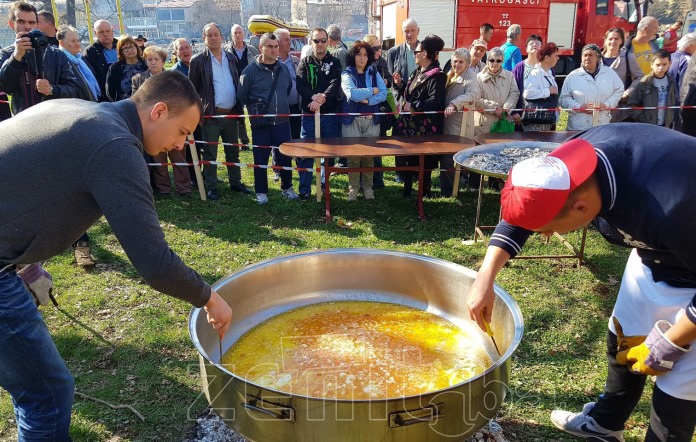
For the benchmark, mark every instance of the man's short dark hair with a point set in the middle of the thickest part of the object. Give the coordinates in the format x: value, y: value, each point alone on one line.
x: 334, y: 32
x: 319, y: 30
x: 46, y: 15
x: 486, y: 27
x: 21, y: 6
x: 355, y: 50
x: 535, y: 37
x: 171, y: 88
x: 210, y: 25
x: 661, y: 53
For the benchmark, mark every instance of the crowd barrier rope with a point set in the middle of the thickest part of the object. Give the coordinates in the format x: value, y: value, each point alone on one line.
x: 196, y: 163
x: 473, y: 109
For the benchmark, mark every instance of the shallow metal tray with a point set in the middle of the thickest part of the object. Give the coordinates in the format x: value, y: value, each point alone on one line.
x: 463, y: 157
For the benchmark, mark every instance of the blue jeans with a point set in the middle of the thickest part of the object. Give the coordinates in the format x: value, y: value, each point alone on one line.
x: 330, y: 127
x: 33, y: 372
x: 272, y: 135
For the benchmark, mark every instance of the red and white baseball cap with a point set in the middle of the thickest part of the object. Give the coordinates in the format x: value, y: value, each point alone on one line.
x: 537, y: 188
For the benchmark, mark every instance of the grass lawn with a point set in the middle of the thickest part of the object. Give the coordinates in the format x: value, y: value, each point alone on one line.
x: 127, y: 344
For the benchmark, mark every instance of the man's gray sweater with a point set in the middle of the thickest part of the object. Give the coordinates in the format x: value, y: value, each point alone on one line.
x: 64, y: 164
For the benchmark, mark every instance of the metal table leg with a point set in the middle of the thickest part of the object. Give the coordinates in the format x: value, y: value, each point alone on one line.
x: 421, y: 177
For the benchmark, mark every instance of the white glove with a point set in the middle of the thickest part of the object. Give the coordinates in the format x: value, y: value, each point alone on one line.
x: 38, y: 281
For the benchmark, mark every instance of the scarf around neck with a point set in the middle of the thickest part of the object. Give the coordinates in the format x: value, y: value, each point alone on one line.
x: 86, y: 72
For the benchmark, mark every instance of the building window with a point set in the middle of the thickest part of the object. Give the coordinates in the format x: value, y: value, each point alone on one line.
x: 178, y: 14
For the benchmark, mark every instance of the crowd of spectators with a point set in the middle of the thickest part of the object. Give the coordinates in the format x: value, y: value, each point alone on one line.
x: 332, y: 77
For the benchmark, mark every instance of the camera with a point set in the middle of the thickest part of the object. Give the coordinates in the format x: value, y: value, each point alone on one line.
x: 38, y: 39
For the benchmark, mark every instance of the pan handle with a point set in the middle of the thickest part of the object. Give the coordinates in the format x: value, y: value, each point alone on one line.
x: 277, y: 411
x: 403, y: 418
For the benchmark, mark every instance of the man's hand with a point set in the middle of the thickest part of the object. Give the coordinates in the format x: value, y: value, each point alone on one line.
x: 396, y: 78
x: 480, y: 301
x: 38, y: 281
x: 449, y: 110
x: 656, y: 356
x: 553, y: 90
x: 498, y: 112
x: 219, y: 313
x: 319, y: 98
x: 22, y: 45
x: 516, y: 118
x: 44, y: 87
x: 314, y: 106
x: 481, y: 296
x: 375, y: 90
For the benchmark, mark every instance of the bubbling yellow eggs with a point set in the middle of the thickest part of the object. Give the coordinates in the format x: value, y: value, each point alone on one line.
x: 358, y: 350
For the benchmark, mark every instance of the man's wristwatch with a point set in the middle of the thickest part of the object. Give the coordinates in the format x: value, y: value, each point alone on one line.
x: 50, y: 90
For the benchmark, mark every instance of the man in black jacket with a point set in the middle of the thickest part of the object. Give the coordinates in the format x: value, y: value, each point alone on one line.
x: 319, y: 86
x: 47, y: 25
x: 102, y: 53
x: 214, y: 74
x: 31, y: 75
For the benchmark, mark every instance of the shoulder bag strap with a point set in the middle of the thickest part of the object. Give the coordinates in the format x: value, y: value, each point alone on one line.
x: 272, y: 90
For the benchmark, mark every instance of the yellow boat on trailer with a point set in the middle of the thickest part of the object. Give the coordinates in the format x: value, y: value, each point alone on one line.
x: 260, y: 24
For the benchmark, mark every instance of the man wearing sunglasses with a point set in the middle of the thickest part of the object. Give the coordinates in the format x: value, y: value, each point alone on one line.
x: 319, y: 86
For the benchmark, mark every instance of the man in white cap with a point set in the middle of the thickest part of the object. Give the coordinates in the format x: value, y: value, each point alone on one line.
x: 478, y: 53
x: 639, y: 194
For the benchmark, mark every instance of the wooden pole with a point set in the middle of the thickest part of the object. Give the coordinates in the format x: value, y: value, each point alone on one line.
x: 197, y: 168
x: 55, y: 10
x: 595, y: 116
x: 120, y: 17
x: 317, y: 161
x: 88, y: 13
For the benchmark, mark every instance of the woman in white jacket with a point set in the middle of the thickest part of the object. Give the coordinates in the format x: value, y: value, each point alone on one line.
x: 541, y: 82
x: 591, y: 86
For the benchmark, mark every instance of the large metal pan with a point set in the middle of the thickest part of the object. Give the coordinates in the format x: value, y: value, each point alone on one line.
x: 269, y: 288
x: 463, y: 157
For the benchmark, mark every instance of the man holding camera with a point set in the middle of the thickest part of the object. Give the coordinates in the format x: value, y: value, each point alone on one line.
x: 31, y: 70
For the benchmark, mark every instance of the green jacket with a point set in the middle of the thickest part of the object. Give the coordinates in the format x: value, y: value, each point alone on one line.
x: 645, y: 94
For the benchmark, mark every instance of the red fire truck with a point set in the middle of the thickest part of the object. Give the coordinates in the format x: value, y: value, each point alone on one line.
x: 570, y: 24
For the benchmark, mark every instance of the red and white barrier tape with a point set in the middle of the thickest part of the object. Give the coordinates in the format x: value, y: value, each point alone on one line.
x: 367, y: 114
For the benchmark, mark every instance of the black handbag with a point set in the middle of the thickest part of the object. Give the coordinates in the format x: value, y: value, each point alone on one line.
x: 534, y: 110
x: 260, y: 107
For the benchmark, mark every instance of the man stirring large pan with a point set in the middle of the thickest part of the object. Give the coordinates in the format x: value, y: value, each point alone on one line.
x: 636, y: 184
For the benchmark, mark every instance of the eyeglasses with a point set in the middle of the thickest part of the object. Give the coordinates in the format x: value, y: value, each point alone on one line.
x: 127, y: 48
x: 417, y: 52
x: 495, y: 61
x: 319, y: 40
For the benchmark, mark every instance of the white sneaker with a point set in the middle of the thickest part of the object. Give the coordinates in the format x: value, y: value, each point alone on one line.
x: 582, y: 425
x: 261, y: 198
x: 352, y: 195
x: 290, y: 194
